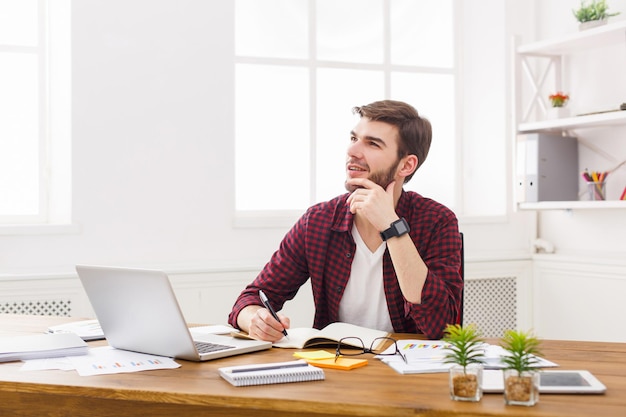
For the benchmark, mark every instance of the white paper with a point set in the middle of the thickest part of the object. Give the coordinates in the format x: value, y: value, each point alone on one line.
x: 427, y: 356
x: 63, y: 364
x: 86, y: 329
x: 214, y: 329
x: 40, y: 346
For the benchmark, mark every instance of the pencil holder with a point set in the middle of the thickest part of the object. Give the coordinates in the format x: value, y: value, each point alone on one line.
x: 597, y: 191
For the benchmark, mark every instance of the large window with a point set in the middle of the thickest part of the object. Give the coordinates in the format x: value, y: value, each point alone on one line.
x: 301, y: 65
x: 34, y: 140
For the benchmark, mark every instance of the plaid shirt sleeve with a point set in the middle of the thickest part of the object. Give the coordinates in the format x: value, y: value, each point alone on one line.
x: 282, y: 276
x: 434, y: 230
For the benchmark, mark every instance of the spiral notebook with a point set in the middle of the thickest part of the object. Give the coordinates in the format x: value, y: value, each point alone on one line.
x: 271, y: 373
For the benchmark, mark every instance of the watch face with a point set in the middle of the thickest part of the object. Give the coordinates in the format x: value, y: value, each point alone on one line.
x: 401, y: 227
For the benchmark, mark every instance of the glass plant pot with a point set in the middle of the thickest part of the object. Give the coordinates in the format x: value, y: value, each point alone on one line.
x: 592, y: 24
x: 521, y: 389
x: 557, y: 112
x: 466, y: 385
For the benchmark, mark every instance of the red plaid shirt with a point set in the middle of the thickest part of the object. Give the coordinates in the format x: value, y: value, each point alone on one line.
x: 320, y: 246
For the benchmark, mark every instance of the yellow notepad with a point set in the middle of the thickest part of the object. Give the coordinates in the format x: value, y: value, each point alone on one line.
x: 314, y: 355
x: 345, y: 364
x: 325, y: 359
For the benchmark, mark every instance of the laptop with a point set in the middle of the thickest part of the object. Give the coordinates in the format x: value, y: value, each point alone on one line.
x: 138, y: 311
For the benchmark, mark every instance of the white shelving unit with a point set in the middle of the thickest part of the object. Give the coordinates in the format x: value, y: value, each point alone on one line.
x: 573, y: 205
x: 554, y: 50
x: 609, y: 34
x: 577, y: 122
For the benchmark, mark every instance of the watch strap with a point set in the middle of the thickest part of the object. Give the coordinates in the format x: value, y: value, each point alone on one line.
x: 396, y: 229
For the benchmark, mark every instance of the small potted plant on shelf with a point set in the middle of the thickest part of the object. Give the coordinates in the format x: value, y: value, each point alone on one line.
x: 558, y: 101
x: 521, y: 378
x: 466, y: 351
x: 592, y: 14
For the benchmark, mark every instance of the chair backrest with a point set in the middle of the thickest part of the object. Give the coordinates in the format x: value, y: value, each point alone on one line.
x: 462, y: 273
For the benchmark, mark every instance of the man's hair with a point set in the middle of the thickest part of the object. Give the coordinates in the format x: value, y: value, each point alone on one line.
x: 415, y: 131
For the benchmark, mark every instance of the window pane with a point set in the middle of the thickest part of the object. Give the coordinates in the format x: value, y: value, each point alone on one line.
x: 350, y: 31
x: 271, y: 28
x: 338, y: 91
x: 19, y: 119
x: 272, y: 138
x: 18, y: 22
x: 422, y: 33
x: 433, y: 97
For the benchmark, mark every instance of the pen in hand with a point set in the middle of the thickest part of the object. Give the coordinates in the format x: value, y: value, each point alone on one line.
x: 268, y: 306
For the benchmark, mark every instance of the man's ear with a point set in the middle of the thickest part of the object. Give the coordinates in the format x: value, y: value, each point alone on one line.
x: 408, y: 165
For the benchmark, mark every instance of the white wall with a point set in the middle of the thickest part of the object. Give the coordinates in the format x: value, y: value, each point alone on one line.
x: 152, y: 141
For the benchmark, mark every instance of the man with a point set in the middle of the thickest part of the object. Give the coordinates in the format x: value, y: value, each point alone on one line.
x: 378, y: 256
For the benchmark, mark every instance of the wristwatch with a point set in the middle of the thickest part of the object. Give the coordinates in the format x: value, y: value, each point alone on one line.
x: 397, y: 228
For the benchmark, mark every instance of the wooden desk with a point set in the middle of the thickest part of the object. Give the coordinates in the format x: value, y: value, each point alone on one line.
x: 196, y: 389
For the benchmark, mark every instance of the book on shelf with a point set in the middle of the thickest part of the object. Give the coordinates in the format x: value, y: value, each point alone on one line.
x: 41, y: 346
x: 271, y: 373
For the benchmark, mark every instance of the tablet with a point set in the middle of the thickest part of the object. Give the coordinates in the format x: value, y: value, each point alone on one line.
x: 551, y: 382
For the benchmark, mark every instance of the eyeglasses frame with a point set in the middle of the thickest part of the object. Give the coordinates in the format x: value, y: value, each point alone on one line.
x: 364, y: 350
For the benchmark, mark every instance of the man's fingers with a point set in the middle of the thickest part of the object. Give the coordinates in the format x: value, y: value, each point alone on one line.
x: 264, y: 327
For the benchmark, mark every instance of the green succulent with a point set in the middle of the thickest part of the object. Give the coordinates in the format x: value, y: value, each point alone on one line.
x: 465, y: 345
x: 523, y: 348
x: 596, y: 10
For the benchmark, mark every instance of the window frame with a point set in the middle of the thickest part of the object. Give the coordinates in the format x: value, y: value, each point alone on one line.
x: 285, y: 218
x: 54, y: 138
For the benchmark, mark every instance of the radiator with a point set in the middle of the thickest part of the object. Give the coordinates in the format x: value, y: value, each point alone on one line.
x: 491, y: 304
x: 37, y: 307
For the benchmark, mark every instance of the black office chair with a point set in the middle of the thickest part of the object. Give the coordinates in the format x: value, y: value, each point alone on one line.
x: 462, y: 273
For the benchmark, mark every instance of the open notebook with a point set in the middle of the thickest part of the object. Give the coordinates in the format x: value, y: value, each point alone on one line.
x: 138, y: 311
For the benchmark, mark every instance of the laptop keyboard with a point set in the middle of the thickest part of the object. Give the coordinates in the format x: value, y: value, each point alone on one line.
x: 205, y: 347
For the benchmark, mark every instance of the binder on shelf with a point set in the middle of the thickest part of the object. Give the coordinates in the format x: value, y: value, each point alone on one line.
x: 547, y: 168
x: 271, y: 373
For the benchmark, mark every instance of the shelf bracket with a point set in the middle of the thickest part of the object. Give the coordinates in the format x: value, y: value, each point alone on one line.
x: 537, y: 82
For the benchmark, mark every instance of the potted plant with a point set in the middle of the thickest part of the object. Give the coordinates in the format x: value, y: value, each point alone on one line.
x: 592, y: 14
x: 521, y: 379
x: 465, y: 350
x: 558, y: 99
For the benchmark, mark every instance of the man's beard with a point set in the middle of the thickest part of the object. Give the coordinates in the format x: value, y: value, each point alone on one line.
x: 382, y: 178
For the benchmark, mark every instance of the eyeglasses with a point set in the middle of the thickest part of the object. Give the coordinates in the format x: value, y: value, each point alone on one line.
x: 348, y: 345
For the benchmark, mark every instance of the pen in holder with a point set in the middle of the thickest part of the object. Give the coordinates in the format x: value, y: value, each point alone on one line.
x: 597, y: 191
x: 596, y: 184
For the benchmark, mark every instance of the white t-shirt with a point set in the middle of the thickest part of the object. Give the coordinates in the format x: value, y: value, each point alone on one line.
x: 364, y: 302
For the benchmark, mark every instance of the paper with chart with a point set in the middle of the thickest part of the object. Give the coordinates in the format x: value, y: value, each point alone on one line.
x: 427, y: 356
x: 107, y: 360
